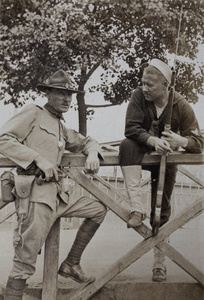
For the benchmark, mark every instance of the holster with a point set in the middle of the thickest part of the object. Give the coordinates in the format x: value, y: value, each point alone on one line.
x: 23, y: 186
x: 7, y: 185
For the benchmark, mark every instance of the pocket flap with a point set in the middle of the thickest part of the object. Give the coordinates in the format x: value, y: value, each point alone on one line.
x: 48, y: 129
x: 23, y: 184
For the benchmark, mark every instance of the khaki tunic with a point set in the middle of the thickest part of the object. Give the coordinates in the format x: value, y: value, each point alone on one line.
x: 35, y: 131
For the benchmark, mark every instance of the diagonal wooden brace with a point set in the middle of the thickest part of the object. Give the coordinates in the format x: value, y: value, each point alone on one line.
x: 8, y: 215
x: 142, y: 248
x: 145, y: 245
x: 191, y: 176
x: 172, y: 253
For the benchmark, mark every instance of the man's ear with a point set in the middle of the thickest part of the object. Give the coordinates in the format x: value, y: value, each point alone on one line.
x: 166, y: 84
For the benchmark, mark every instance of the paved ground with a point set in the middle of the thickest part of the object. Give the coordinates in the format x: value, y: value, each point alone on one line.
x: 113, y: 240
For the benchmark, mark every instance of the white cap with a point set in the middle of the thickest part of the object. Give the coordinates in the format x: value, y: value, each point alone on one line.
x: 162, y: 67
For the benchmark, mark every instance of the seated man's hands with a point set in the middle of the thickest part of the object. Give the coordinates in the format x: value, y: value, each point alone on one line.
x: 161, y: 146
x: 92, y: 163
x: 175, y: 140
x: 47, y: 168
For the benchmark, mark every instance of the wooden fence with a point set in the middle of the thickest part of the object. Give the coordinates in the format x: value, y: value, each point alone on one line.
x: 113, y: 201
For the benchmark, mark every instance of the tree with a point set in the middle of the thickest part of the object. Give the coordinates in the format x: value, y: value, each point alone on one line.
x: 81, y: 36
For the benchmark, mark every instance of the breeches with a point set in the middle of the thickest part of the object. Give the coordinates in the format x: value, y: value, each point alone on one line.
x: 37, y: 225
x: 131, y: 153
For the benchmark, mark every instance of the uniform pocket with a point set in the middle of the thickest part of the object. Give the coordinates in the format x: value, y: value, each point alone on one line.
x: 46, y: 139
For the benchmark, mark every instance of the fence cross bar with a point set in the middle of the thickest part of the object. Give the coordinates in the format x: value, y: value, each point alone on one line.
x: 148, y: 243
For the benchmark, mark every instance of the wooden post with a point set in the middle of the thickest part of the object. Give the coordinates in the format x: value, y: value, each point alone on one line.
x: 51, y: 258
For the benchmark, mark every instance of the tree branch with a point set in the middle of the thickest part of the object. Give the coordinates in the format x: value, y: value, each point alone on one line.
x: 88, y: 75
x: 99, y: 106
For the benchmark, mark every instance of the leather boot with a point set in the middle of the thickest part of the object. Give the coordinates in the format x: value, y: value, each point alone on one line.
x: 70, y: 267
x: 14, y: 289
x: 135, y: 219
x: 159, y: 275
x: 132, y: 178
x: 75, y: 272
x: 159, y: 267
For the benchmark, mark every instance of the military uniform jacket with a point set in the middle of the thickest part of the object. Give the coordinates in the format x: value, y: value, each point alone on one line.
x: 142, y: 121
x: 36, y: 131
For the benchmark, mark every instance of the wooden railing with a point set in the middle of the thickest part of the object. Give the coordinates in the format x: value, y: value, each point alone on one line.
x: 73, y: 163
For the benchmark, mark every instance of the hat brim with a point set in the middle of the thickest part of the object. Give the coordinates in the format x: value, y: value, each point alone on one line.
x: 44, y: 87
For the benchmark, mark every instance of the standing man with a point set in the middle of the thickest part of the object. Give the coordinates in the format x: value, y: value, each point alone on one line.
x: 35, y: 139
x: 144, y: 131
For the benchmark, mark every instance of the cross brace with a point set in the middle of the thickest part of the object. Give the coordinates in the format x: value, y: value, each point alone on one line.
x: 143, y: 247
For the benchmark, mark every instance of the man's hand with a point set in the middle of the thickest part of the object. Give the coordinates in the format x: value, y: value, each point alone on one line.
x: 175, y: 140
x: 161, y: 146
x: 92, y: 162
x: 47, y: 168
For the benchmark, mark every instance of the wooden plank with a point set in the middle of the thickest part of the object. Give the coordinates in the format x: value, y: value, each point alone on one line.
x: 190, y: 175
x: 121, y: 196
x: 112, y: 159
x: 168, y: 250
x: 50, y: 281
x: 51, y: 258
x: 92, y: 188
x: 139, y: 250
x: 122, y: 212
x: 8, y: 215
x: 182, y: 262
x: 3, y: 204
x: 112, y: 188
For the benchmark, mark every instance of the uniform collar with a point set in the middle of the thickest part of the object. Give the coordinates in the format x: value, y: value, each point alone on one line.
x: 54, y: 112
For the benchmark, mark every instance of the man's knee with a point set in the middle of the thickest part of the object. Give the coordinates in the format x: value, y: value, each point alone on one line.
x: 126, y: 145
x: 100, y: 214
x: 130, y: 153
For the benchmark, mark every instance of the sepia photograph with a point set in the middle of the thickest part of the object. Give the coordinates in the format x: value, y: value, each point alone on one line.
x: 102, y: 150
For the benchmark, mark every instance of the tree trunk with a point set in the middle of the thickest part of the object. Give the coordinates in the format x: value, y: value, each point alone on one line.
x: 82, y: 114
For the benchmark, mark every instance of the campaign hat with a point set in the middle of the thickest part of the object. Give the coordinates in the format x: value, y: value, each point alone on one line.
x: 162, y: 67
x: 59, y: 80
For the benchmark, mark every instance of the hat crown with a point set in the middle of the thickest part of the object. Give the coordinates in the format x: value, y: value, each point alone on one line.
x: 59, y: 79
x: 162, y: 67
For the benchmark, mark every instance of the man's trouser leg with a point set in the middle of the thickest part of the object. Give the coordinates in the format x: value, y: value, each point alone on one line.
x: 132, y: 177
x: 14, y: 289
x: 94, y: 213
x: 159, y: 267
x: 37, y: 226
x: 34, y: 231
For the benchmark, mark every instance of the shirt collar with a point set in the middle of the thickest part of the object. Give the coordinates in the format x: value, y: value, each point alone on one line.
x: 54, y: 112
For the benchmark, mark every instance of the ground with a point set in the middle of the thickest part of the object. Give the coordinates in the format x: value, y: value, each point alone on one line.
x: 113, y: 240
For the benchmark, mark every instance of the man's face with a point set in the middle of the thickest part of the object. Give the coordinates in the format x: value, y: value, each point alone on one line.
x: 153, y: 87
x: 60, y: 100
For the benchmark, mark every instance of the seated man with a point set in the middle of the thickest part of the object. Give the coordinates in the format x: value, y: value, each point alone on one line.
x: 35, y: 139
x: 144, y: 131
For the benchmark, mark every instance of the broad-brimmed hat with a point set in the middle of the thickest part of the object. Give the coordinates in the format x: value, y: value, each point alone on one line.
x: 162, y: 67
x: 59, y: 80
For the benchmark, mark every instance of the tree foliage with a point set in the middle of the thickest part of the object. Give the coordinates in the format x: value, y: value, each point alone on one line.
x: 39, y: 37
